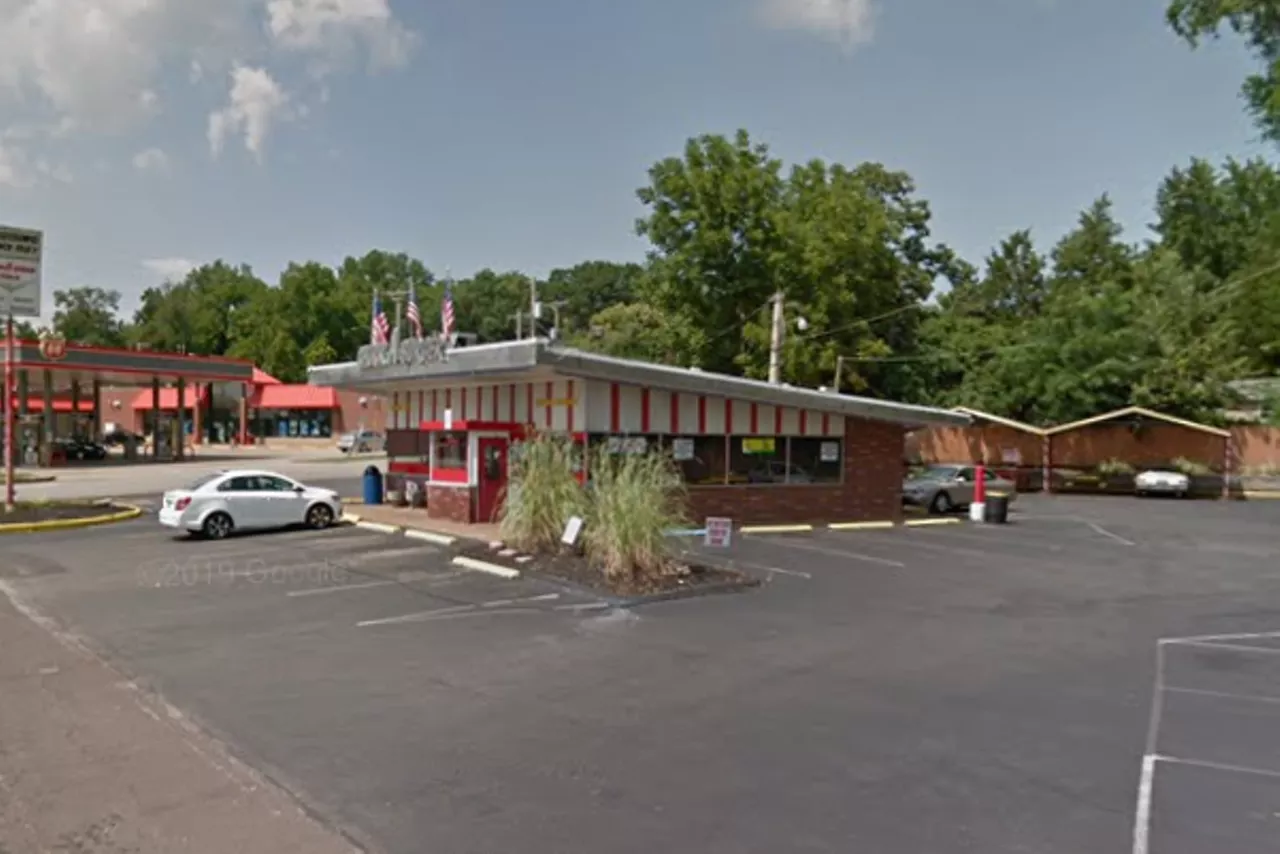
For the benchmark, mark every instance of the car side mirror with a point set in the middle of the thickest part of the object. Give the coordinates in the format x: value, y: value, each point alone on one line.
x: 299, y: 490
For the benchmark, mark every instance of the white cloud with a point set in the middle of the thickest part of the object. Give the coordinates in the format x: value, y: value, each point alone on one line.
x: 101, y: 65
x: 255, y: 103
x: 55, y: 172
x: 335, y: 28
x: 850, y: 22
x: 151, y: 160
x: 170, y: 268
x: 14, y: 171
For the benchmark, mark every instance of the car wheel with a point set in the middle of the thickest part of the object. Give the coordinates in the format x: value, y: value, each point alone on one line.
x: 319, y: 517
x: 217, y: 526
x: 941, y: 503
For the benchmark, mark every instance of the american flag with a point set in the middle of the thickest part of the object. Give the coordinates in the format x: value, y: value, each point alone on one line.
x: 446, y: 311
x: 411, y: 312
x: 380, y: 328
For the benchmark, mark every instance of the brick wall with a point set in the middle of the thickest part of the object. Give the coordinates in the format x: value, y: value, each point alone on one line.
x: 449, y: 502
x: 987, y: 444
x: 351, y: 414
x: 1153, y: 444
x: 871, y: 491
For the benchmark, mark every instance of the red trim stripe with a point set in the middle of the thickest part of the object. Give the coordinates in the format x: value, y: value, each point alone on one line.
x: 462, y: 407
x: 702, y: 414
x: 511, y: 402
x: 569, y: 408
x: 675, y: 412
x: 528, y: 399
x: 804, y: 421
x: 644, y: 410
x: 777, y: 421
x: 493, y: 409
x: 479, y: 403
x: 435, y: 409
x: 395, y: 409
x: 615, y: 408
x: 755, y: 419
x: 551, y: 393
x: 826, y: 424
x: 728, y: 416
x: 422, y: 406
x: 448, y: 400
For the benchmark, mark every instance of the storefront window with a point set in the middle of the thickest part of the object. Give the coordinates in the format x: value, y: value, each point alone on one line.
x: 701, y: 459
x: 299, y: 423
x: 757, y: 459
x: 820, y: 460
x: 451, y: 450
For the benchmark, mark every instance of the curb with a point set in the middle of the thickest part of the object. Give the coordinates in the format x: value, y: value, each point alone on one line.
x: 922, y: 523
x: 776, y: 529
x: 485, y: 566
x: 376, y: 526
x: 612, y: 601
x: 351, y: 518
x: 861, y: 526
x: 1261, y: 493
x: 43, y: 478
x: 126, y: 512
x: 430, y: 537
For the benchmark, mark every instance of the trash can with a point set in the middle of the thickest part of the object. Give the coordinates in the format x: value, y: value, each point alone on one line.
x: 996, y: 511
x: 372, y: 485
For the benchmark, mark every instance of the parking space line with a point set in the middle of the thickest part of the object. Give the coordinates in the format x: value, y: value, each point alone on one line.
x: 791, y: 544
x: 419, y: 616
x: 1230, y: 637
x: 1219, y: 766
x: 1234, y: 647
x: 1223, y: 695
x: 734, y: 563
x: 341, y: 588
x: 1119, y: 539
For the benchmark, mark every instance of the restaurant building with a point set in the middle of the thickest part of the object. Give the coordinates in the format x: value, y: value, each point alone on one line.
x: 756, y: 452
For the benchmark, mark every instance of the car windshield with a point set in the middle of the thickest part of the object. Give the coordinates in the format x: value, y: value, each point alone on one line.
x: 937, y: 473
x: 202, y: 480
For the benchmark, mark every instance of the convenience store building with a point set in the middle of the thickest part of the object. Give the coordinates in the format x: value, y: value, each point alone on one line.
x: 756, y: 452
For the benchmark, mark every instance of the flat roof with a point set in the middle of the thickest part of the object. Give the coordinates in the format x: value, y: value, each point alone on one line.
x: 133, y: 366
x: 486, y: 361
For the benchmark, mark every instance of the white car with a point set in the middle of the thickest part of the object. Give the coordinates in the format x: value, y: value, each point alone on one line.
x: 1162, y: 482
x: 243, y: 500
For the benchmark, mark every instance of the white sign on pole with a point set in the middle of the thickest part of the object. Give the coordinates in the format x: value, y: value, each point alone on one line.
x: 572, y: 530
x: 719, y: 532
x: 21, y: 257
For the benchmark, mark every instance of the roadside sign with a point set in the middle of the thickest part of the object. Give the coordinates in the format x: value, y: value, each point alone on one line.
x: 21, y: 258
x: 719, y: 532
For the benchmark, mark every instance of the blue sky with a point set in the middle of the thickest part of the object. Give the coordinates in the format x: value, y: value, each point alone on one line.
x: 145, y: 136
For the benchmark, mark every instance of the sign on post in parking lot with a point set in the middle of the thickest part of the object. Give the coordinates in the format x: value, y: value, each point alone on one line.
x: 719, y: 532
x: 21, y: 257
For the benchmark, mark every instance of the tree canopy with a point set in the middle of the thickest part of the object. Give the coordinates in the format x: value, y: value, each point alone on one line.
x: 1098, y: 320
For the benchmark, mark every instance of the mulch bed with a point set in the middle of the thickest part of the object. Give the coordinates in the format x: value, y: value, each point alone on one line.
x: 26, y: 514
x: 576, y: 571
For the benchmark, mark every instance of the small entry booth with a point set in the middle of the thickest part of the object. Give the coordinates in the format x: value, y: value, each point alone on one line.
x: 461, y: 466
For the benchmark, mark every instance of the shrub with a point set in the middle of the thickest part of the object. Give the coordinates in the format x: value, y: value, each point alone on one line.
x: 542, y: 493
x: 1190, y: 467
x: 1113, y: 467
x: 635, y: 500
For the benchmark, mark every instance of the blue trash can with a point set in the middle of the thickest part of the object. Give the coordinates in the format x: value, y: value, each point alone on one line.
x: 372, y: 485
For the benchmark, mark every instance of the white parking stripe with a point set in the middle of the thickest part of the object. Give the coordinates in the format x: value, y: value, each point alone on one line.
x: 419, y: 616
x: 340, y: 588
x: 795, y: 544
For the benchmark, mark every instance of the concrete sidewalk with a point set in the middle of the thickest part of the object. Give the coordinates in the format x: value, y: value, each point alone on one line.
x: 90, y: 763
x: 416, y: 518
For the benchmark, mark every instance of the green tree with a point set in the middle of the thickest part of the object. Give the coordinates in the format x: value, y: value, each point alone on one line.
x: 640, y: 331
x: 1258, y: 22
x: 196, y: 315
x: 589, y: 288
x: 89, y: 316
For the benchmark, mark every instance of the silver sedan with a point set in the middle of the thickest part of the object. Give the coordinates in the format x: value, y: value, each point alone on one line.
x: 944, y: 488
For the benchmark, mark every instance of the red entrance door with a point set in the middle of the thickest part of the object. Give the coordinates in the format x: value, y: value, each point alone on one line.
x: 493, y: 478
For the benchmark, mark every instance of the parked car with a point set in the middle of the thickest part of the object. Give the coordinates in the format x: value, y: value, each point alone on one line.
x: 1162, y: 482
x: 117, y: 438
x: 943, y: 488
x: 361, y: 441
x: 241, y: 500
x: 78, y: 448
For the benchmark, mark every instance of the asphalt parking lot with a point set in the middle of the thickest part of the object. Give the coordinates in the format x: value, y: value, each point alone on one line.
x: 1044, y: 686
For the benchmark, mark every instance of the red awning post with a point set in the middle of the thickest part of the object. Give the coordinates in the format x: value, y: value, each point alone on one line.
x: 980, y: 485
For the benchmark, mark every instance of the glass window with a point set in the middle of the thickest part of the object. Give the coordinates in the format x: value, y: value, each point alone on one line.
x: 757, y: 459
x: 451, y: 450
x: 274, y: 484
x: 244, y: 483
x: 816, y: 460
x: 701, y: 459
x: 202, y: 480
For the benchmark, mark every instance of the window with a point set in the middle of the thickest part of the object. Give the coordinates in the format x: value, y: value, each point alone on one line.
x: 816, y: 460
x: 269, y: 483
x: 311, y: 423
x: 757, y: 459
x: 202, y: 480
x: 244, y: 483
x: 451, y: 450
x: 701, y: 459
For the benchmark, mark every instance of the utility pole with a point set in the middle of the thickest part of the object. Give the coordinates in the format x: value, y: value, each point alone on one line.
x: 519, y: 319
x: 533, y: 307
x: 775, y: 340
x: 839, y: 369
